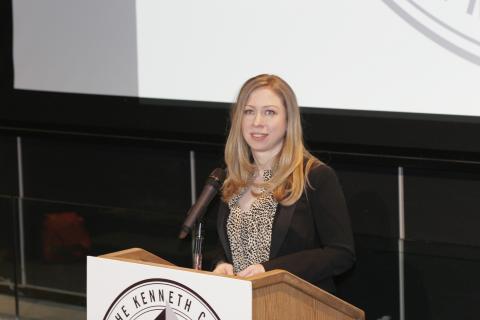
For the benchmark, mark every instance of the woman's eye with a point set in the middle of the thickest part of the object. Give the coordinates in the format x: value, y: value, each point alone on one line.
x: 248, y: 111
x: 270, y: 112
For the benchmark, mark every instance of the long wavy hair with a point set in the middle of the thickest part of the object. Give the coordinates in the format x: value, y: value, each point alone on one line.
x: 291, y: 165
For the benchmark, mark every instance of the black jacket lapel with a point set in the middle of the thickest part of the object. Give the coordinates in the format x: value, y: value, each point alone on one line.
x: 280, y: 227
x: 222, y: 229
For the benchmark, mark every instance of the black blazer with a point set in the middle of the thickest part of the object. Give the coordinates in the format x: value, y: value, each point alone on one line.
x: 311, y: 238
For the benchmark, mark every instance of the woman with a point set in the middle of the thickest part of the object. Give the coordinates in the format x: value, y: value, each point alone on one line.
x: 282, y: 208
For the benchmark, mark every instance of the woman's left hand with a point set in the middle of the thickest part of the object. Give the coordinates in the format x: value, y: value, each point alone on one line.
x: 252, y: 270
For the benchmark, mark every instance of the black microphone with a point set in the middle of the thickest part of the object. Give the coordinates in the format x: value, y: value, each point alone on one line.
x: 212, y: 185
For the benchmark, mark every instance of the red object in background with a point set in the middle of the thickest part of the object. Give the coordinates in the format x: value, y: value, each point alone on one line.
x: 64, y: 237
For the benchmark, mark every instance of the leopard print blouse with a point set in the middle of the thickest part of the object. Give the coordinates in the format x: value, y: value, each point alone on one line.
x: 250, y: 232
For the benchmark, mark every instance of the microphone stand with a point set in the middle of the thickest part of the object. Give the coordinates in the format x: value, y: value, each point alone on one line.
x: 197, y: 246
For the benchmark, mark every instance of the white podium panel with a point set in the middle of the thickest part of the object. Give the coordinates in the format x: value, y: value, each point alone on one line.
x: 120, y: 290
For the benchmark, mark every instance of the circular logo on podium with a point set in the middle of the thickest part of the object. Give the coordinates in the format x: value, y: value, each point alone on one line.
x: 453, y: 24
x: 159, y: 299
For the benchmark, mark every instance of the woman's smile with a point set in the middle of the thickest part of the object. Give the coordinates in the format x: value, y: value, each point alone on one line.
x: 259, y: 136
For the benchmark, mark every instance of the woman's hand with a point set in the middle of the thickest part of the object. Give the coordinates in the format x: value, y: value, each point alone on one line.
x: 224, y: 268
x: 252, y: 270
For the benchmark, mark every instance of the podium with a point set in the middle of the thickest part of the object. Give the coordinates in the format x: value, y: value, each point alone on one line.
x: 182, y: 293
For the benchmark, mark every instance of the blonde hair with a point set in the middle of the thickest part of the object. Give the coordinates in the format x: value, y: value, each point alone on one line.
x: 291, y: 165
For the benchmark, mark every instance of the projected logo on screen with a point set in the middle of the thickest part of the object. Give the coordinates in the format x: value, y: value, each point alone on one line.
x: 453, y: 24
x: 159, y: 299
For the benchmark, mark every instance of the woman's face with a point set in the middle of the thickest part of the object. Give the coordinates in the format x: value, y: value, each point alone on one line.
x: 264, y: 122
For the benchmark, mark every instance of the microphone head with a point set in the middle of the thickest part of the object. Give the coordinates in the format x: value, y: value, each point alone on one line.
x: 216, y: 178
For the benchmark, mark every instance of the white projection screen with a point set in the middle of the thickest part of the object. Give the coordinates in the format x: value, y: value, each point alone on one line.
x: 393, y: 55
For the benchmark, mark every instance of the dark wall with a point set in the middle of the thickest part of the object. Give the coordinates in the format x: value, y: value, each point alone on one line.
x: 135, y: 193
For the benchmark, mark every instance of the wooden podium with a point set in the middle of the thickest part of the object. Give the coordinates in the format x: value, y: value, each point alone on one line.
x: 276, y: 294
